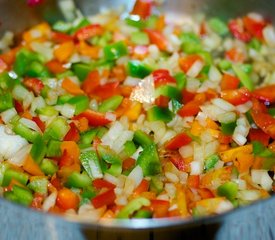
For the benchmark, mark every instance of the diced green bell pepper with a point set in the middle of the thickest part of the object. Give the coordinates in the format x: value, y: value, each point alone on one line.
x: 255, y: 44
x: 6, y: 82
x: 211, y: 161
x: 80, y: 24
x: 49, y: 111
x: 37, y: 69
x: 225, y: 64
x: 78, y: 180
x: 142, y: 213
x: 90, y: 163
x: 228, y: 128
x: 181, y: 80
x: 63, y: 99
x: 228, y: 190
x: 271, y: 111
x: 134, y: 21
x: 247, y: 68
x: 260, y: 150
x: 168, y: 91
x: 48, y: 166
x: 151, y: 21
x: 133, y: 206
x: 159, y: 114
x: 110, y: 104
x: 218, y: 26
x: 110, y: 157
x: 81, y: 103
x: 138, y: 69
x: 149, y: 161
x: 39, y: 184
x: 81, y: 70
x: 142, y: 138
x: 6, y: 101
x: 38, y: 149
x: 13, y: 174
x: 115, y: 51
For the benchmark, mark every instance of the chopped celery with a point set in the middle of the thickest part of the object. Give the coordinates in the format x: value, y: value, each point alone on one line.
x: 47, y: 111
x: 88, y: 136
x: 22, y: 196
x: 142, y: 213
x: 156, y: 185
x: 48, y: 166
x: 38, y: 149
x: 3, y: 167
x: 225, y: 64
x: 246, y: 81
x: 57, y: 129
x: 255, y: 44
x: 110, y: 104
x: 218, y: 26
x: 140, y: 38
x: 142, y: 138
x: 190, y: 42
x: 13, y: 174
x: 133, y: 206
x: 39, y: 184
x: 25, y: 132
x: 129, y: 148
x: 53, y: 149
x: 134, y: 21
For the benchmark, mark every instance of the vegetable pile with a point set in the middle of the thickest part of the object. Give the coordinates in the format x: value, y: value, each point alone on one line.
x: 138, y: 117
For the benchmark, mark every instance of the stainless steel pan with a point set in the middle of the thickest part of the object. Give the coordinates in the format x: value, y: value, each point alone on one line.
x: 252, y: 222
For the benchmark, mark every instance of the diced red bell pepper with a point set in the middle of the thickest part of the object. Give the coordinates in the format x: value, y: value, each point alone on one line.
x: 101, y: 183
x: 262, y: 119
x: 229, y: 82
x: 159, y: 208
x: 162, y: 77
x: 187, y: 96
x: 59, y: 37
x: 18, y: 107
x: 72, y: 134
x: 254, y: 27
x: 236, y: 27
x: 89, y: 31
x: 193, y: 181
x: 187, y: 61
x: 142, y: 8
x: 266, y: 93
x: 178, y: 141
x: 191, y: 108
x: 162, y: 101
x: 258, y: 135
x: 157, y: 38
x: 106, y: 198
x: 34, y: 85
x: 235, y: 55
x: 236, y: 96
x: 91, y: 82
x: 66, y: 159
x: 95, y: 119
x: 37, y: 201
x: 178, y: 161
x: 107, y: 90
x: 39, y: 123
x: 142, y: 187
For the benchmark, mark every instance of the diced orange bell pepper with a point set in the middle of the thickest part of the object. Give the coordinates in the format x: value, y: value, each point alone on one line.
x: 32, y: 167
x: 87, y: 50
x: 64, y: 51
x: 71, y: 87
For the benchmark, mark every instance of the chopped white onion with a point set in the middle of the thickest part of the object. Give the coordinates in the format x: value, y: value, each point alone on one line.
x: 131, y: 81
x: 196, y: 168
x: 110, y: 116
x: 136, y: 175
x: 249, y: 195
x: 214, y: 74
x: 227, y: 117
x: 195, y: 69
x: 8, y: 115
x: 269, y: 35
x: 37, y: 103
x: 30, y: 124
x: 19, y: 157
x: 110, y: 178
x: 243, y: 108
x: 262, y: 178
x: 219, y: 102
x: 49, y: 201
x: 186, y: 151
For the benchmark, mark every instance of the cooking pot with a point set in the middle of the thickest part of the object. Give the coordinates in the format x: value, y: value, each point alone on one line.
x: 251, y: 222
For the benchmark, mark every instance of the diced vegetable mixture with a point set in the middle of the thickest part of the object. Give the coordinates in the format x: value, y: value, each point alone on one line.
x: 138, y: 117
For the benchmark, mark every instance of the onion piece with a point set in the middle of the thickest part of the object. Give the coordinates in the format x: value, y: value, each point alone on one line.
x: 19, y: 158
x: 30, y: 124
